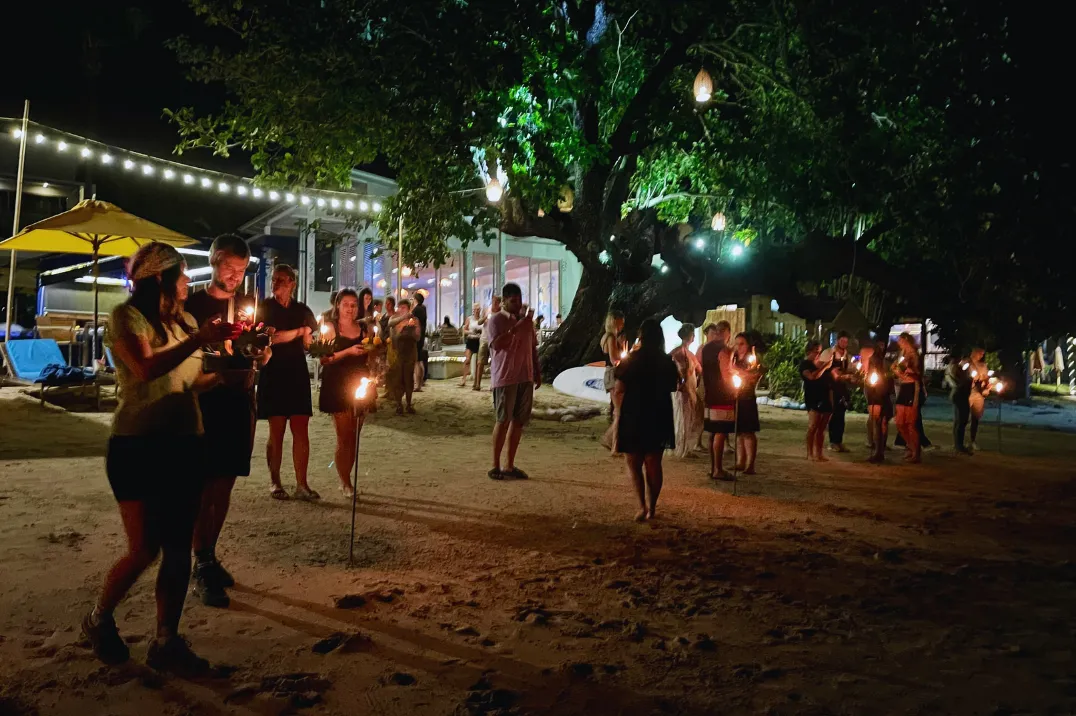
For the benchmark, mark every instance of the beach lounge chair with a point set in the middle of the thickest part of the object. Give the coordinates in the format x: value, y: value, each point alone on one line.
x: 39, y: 361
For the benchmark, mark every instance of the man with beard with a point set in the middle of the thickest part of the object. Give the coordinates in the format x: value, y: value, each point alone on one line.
x: 228, y: 413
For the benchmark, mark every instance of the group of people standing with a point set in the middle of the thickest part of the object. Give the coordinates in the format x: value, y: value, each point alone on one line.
x: 667, y: 402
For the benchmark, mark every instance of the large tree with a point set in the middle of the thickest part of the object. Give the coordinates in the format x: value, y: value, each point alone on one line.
x: 840, y: 137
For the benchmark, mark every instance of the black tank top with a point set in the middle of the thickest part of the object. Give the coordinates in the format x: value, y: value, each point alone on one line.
x: 717, y: 393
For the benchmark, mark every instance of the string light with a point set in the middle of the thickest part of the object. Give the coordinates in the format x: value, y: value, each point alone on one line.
x: 149, y: 166
x: 289, y: 197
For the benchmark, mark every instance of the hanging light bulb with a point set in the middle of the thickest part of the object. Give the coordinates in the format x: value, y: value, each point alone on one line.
x: 718, y: 223
x: 39, y: 138
x: 704, y: 87
x: 349, y: 205
x: 128, y: 164
x: 377, y: 207
x: 737, y: 250
x: 274, y: 196
x: 223, y: 188
x: 169, y: 174
x: 106, y: 158
x: 188, y: 179
x: 494, y: 190
x: 257, y: 193
x: 700, y: 243
x: 321, y: 203
x: 406, y: 271
x: 289, y: 197
x: 206, y: 183
x: 61, y: 146
x: 85, y: 153
x: 304, y: 200
x: 241, y: 190
x: 335, y: 203
x: 364, y: 206
x: 147, y: 169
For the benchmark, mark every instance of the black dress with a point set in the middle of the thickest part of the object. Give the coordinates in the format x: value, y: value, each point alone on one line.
x: 339, y: 379
x: 816, y: 393
x: 284, y: 382
x: 881, y: 393
x: 645, y: 425
x: 747, y: 408
x: 228, y: 411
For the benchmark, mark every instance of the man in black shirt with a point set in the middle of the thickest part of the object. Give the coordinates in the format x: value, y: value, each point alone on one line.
x: 227, y: 413
x: 842, y: 374
x: 422, y: 365
x: 959, y: 384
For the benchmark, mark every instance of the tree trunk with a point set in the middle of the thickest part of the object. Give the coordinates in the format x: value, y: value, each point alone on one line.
x: 577, y: 340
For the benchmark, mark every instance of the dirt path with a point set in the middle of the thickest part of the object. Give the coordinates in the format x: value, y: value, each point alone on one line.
x: 819, y: 589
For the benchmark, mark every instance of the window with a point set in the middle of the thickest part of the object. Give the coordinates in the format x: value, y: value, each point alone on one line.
x: 324, y: 265
x: 483, y: 278
x: 779, y: 327
x: 517, y: 270
x: 449, y: 287
x: 545, y: 292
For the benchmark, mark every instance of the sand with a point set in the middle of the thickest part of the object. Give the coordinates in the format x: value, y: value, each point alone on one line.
x: 836, y: 588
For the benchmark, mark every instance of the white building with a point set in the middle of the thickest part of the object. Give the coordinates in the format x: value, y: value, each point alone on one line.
x: 333, y: 257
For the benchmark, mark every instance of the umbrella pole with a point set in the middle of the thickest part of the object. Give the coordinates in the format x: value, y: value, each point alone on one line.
x: 15, y: 226
x: 96, y: 288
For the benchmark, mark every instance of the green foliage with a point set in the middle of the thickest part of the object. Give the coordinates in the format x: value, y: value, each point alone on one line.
x: 781, y: 361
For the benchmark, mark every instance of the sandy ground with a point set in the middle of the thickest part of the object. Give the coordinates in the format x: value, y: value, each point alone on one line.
x: 820, y: 589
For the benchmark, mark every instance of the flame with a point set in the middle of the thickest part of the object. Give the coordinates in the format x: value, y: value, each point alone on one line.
x: 964, y: 366
x: 324, y: 329
x: 737, y: 381
x: 874, y: 379
x: 624, y: 354
x: 999, y: 386
x: 975, y: 374
x: 751, y: 359
x: 360, y: 392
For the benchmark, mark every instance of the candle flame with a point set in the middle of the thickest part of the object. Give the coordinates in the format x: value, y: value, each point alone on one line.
x: 737, y: 381
x: 999, y: 386
x: 874, y: 379
x: 964, y: 366
x: 990, y: 373
x: 751, y: 359
x: 975, y: 374
x: 324, y: 329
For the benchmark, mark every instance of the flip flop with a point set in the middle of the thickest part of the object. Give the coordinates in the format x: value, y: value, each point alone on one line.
x: 495, y: 474
x: 516, y: 473
x: 277, y: 492
x: 307, y: 494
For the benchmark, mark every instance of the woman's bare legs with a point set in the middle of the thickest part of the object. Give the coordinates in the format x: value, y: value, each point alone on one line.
x: 466, y: 368
x: 746, y: 451
x: 820, y: 436
x: 140, y: 555
x: 655, y: 477
x: 906, y: 417
x: 274, y: 448
x: 346, y: 425
x: 634, y: 462
x: 812, y: 429
x: 300, y: 449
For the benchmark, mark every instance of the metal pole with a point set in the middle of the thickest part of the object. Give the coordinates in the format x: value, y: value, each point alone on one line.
x: 999, y: 424
x: 96, y: 274
x: 354, y: 491
x: 735, y: 443
x: 399, y: 266
x: 15, y: 223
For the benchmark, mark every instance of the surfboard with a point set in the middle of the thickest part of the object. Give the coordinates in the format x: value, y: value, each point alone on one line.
x: 585, y: 382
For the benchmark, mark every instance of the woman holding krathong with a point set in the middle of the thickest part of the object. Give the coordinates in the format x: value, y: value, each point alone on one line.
x: 818, y: 397
x: 615, y: 348
x: 909, y: 375
x: 284, y: 382
x: 878, y: 389
x: 745, y: 364
x: 343, y: 370
x: 155, y: 460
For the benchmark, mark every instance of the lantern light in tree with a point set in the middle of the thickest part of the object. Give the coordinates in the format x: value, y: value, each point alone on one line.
x: 718, y: 224
x: 494, y: 190
x: 704, y: 87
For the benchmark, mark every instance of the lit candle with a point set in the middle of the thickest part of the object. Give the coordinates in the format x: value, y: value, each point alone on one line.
x: 975, y: 374
x: 999, y: 386
x: 990, y: 373
x: 874, y: 378
x: 623, y: 354
x: 964, y: 366
x: 751, y: 358
x: 737, y: 381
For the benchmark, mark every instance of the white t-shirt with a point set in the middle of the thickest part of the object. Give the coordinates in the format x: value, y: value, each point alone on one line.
x: 163, y: 406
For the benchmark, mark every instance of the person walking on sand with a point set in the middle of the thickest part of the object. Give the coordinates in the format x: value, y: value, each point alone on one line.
x: 472, y: 338
x: 483, y: 343
x: 615, y: 348
x: 284, y: 384
x: 229, y: 414
x: 646, y: 381
x: 343, y: 371
x: 515, y: 374
x: 155, y: 453
x: 817, y: 395
x: 718, y: 421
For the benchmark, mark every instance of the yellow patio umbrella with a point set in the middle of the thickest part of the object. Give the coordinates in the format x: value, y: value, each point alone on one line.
x: 96, y: 228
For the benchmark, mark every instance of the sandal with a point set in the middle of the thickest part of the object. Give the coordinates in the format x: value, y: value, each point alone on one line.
x: 410, y: 410
x: 516, y: 473
x: 277, y: 492
x: 495, y: 474
x: 305, y: 493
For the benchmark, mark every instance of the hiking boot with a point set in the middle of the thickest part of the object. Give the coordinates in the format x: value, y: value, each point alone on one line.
x: 175, y: 656
x: 105, y: 639
x: 207, y: 588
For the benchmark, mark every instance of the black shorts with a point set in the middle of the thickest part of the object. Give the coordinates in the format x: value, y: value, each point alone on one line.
x: 166, y: 474
x: 472, y: 344
x: 907, y: 394
x: 820, y: 405
x: 229, y: 417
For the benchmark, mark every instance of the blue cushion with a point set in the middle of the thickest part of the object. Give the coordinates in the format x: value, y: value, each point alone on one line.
x: 29, y: 357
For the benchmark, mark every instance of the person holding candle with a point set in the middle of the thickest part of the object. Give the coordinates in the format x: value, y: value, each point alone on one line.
x: 817, y: 395
x: 720, y: 394
x: 979, y: 373
x: 745, y: 363
x: 156, y: 452
x: 909, y: 376
x: 284, y: 383
x: 645, y: 379
x: 687, y: 420
x: 228, y: 412
x: 959, y: 382
x: 878, y: 389
x: 842, y: 375
x: 342, y: 372
x: 405, y: 336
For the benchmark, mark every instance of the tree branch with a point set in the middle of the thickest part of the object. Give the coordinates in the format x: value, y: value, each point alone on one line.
x: 620, y: 141
x: 651, y: 203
